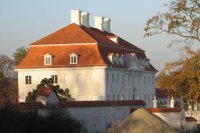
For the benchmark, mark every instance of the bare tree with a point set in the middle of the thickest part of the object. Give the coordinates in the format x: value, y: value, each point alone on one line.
x: 8, y: 86
x: 6, y: 66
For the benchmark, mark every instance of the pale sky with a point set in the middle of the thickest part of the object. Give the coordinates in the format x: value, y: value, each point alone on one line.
x: 25, y: 21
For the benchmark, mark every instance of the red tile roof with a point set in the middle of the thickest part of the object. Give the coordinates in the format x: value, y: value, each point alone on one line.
x: 160, y: 110
x: 69, y: 34
x: 93, y: 50
x: 88, y: 56
x: 45, y: 91
x: 163, y: 93
x: 75, y: 104
x: 129, y: 45
x: 101, y: 103
x: 188, y: 119
x: 167, y: 110
x: 30, y: 106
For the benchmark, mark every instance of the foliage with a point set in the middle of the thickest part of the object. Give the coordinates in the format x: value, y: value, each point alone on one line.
x: 19, y: 54
x: 183, y: 76
x: 63, y: 95
x: 56, y: 121
x: 182, y: 19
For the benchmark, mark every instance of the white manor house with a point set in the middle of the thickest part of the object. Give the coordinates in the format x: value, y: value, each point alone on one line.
x: 92, y: 62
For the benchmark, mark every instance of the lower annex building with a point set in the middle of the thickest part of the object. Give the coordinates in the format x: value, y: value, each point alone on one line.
x: 92, y: 62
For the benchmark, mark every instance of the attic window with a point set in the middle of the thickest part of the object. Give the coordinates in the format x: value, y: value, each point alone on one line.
x: 73, y: 58
x: 47, y: 59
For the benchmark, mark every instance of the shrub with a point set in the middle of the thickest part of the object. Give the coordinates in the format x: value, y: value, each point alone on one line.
x: 56, y: 121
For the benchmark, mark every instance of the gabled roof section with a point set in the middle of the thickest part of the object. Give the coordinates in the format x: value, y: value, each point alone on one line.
x: 69, y: 34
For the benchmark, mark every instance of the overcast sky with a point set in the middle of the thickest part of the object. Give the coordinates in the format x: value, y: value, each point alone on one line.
x: 25, y: 21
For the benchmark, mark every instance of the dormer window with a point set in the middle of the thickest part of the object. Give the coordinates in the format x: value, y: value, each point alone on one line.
x: 73, y: 58
x: 47, y: 59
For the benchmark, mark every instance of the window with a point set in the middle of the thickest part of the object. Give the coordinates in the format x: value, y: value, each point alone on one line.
x: 133, y: 97
x: 28, y: 79
x: 108, y: 97
x: 122, y: 79
x: 47, y: 59
x: 144, y: 80
x: 132, y: 82
x: 122, y: 97
x: 118, y: 98
x: 107, y: 78
x: 152, y: 81
x: 54, y: 78
x: 113, y: 97
x: 73, y: 58
x: 145, y: 98
x: 117, y: 78
x: 113, y: 78
x: 149, y: 100
x: 81, y: 83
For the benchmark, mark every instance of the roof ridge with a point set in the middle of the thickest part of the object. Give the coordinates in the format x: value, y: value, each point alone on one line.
x: 63, y: 30
x: 86, y: 32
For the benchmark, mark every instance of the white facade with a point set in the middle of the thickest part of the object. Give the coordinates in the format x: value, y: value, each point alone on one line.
x: 95, y: 83
x: 129, y: 85
x: 83, y: 83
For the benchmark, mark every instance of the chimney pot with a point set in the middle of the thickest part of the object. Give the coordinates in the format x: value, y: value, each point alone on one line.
x: 76, y: 16
x: 106, y: 24
x: 98, y: 22
x: 85, y: 19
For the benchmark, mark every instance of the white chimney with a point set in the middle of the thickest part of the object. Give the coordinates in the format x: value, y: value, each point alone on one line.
x: 106, y: 24
x: 76, y: 16
x: 85, y: 19
x: 98, y: 22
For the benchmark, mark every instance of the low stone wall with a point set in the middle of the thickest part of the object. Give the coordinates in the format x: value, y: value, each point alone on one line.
x: 95, y: 115
x: 194, y: 114
x: 173, y: 116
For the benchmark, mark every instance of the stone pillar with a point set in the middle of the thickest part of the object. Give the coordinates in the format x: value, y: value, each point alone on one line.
x: 198, y: 106
x: 172, y: 103
x: 195, y: 106
x: 154, y: 102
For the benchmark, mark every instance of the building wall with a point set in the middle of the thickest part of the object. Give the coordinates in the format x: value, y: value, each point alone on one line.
x: 94, y: 83
x: 97, y: 119
x: 173, y: 118
x: 130, y: 84
x: 84, y: 83
x: 195, y: 114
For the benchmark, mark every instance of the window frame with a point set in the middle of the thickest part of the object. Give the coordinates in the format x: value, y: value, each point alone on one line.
x: 54, y: 78
x: 47, y: 59
x: 28, y: 79
x: 73, y: 58
x: 107, y: 78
